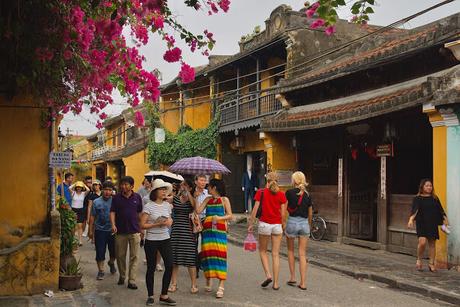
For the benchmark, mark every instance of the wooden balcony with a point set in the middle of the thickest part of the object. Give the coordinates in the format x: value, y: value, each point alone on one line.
x: 234, y: 108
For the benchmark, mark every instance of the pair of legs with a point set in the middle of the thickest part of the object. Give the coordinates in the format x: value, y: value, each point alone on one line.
x: 151, y: 249
x: 422, y: 242
x: 122, y: 241
x: 104, y: 240
x: 263, y: 246
x: 79, y: 231
x: 303, y: 262
x: 191, y: 272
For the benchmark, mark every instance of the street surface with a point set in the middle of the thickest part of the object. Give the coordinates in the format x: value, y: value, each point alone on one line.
x: 325, y: 288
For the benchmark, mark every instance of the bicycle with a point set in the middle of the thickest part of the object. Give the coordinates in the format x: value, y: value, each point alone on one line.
x: 318, y: 227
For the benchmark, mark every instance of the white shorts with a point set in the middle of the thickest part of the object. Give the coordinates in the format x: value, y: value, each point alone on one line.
x: 269, y: 229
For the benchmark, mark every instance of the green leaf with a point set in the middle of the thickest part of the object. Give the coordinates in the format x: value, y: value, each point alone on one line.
x: 371, y: 2
x: 369, y: 10
x: 341, y: 2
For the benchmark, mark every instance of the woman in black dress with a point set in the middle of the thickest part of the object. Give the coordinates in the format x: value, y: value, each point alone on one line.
x: 183, y: 240
x: 428, y: 214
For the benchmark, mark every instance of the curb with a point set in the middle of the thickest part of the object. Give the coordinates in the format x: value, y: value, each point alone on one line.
x: 427, y: 291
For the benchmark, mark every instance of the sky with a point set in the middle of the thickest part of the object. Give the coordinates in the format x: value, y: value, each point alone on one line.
x: 228, y: 28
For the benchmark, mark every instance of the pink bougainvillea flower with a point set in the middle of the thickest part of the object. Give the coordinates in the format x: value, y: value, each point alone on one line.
x: 315, y: 6
x: 158, y: 21
x: 317, y: 23
x: 103, y: 115
x: 139, y: 119
x: 187, y: 73
x: 99, y: 125
x: 224, y: 5
x: 172, y: 55
x: 310, y: 13
x: 330, y: 30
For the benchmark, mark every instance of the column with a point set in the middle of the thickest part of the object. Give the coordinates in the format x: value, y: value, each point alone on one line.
x: 439, y: 173
x: 382, y: 204
x: 451, y: 120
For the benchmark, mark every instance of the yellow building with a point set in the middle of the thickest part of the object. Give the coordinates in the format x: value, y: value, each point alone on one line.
x: 29, y: 230
x: 120, y: 149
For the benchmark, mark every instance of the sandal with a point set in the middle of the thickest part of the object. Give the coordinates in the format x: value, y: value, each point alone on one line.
x: 302, y: 288
x: 194, y: 290
x: 432, y: 267
x: 266, y: 282
x: 172, y: 288
x: 292, y: 283
x: 208, y: 288
x: 419, y: 265
x: 220, y: 293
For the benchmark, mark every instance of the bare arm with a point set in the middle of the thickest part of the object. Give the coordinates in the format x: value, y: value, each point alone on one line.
x: 252, y: 218
x: 201, y: 207
x: 112, y: 221
x: 310, y: 215
x: 283, y: 214
x: 88, y: 212
x: 91, y: 227
x: 145, y: 225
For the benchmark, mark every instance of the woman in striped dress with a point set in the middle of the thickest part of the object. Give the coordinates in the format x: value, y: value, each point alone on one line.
x: 183, y: 240
x: 214, y: 235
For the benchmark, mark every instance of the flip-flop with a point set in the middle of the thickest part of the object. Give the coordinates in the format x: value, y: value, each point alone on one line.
x: 266, y: 282
x: 292, y: 283
x: 301, y: 288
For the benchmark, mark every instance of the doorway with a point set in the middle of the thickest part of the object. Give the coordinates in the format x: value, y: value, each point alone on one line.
x: 363, y: 175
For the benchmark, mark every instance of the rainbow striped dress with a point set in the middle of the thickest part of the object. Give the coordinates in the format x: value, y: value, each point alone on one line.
x: 214, y: 242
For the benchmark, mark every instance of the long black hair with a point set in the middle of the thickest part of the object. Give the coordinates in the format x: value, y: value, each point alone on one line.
x: 219, y: 185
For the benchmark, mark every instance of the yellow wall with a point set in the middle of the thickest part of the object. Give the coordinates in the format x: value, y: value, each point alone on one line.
x: 197, y: 112
x: 171, y: 118
x: 112, y: 171
x: 439, y: 178
x: 136, y: 166
x: 24, y: 157
x: 31, y: 264
x: 252, y: 142
x: 110, y: 141
x: 268, y: 81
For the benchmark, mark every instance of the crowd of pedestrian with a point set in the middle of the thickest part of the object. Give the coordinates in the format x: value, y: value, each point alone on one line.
x: 168, y: 220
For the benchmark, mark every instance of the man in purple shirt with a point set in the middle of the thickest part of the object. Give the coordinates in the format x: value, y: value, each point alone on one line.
x: 124, y: 217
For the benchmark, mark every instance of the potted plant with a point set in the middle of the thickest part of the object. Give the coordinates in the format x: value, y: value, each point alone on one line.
x: 69, y: 269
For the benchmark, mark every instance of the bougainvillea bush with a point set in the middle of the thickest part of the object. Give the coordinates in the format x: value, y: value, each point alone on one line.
x: 71, y: 53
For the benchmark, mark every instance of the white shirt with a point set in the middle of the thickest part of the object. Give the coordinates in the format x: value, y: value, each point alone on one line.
x: 199, y: 200
x: 77, y: 200
x: 154, y: 211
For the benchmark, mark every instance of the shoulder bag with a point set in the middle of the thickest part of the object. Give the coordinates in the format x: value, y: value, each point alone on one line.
x: 259, y: 210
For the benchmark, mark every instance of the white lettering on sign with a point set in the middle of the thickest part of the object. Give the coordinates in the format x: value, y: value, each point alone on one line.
x: 383, y: 177
x: 340, y: 179
x: 160, y: 135
x: 60, y: 159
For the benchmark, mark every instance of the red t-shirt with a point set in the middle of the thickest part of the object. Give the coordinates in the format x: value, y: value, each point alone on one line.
x: 271, y: 207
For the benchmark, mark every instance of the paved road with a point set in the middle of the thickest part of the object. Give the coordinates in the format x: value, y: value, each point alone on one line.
x: 325, y: 288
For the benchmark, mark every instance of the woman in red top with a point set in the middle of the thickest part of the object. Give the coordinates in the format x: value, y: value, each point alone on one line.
x: 271, y: 226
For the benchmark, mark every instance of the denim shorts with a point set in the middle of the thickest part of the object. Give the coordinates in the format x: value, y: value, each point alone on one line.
x: 297, y: 226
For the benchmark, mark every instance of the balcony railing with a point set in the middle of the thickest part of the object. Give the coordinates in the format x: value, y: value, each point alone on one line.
x: 236, y: 108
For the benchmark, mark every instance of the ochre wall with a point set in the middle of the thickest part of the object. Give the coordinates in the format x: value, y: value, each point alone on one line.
x: 24, y: 168
x: 170, y: 116
x: 252, y: 142
x: 197, y: 112
x: 136, y: 166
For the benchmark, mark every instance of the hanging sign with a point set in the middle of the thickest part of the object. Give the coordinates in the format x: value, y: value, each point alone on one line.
x: 284, y: 177
x: 60, y: 159
x: 160, y: 135
x: 340, y: 179
x: 383, y: 177
x: 385, y: 150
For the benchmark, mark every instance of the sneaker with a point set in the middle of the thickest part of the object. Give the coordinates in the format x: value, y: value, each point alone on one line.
x: 159, y: 268
x: 168, y: 301
x: 113, y: 270
x: 121, y: 281
x: 132, y: 286
x: 100, y: 276
x: 150, y: 301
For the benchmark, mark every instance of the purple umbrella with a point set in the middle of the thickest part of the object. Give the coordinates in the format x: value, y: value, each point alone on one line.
x: 198, y: 165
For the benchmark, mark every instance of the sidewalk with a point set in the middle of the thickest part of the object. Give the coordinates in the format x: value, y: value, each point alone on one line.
x: 395, y: 270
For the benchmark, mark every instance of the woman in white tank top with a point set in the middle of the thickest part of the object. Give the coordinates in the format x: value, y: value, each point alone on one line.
x: 79, y: 191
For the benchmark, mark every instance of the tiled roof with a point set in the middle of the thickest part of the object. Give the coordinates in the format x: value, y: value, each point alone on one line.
x: 364, y: 105
x: 396, y: 46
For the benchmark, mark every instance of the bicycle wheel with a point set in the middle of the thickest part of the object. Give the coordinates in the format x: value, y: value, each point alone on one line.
x: 318, y: 228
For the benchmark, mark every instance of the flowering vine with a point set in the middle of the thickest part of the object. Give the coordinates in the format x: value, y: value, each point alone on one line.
x: 325, y: 15
x: 74, y: 52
